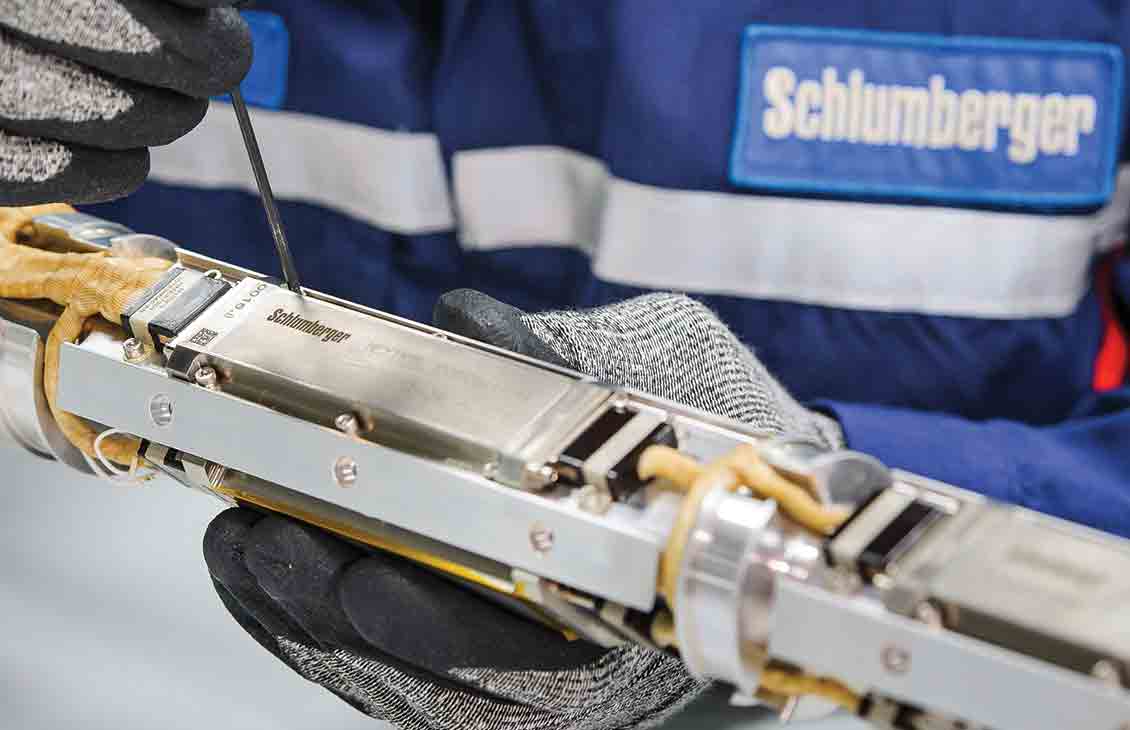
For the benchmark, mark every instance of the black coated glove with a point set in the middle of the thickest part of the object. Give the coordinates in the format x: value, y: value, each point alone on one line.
x: 86, y: 86
x: 412, y: 648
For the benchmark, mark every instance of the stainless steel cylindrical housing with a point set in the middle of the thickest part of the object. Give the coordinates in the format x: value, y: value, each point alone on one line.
x: 25, y: 418
x: 737, y: 550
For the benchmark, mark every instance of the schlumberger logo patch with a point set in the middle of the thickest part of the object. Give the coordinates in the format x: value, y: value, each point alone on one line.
x: 308, y: 326
x: 924, y: 117
x: 959, y: 120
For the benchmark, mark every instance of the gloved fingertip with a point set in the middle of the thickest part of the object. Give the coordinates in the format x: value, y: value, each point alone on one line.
x: 476, y: 315
x: 233, y: 56
x: 81, y: 175
x: 292, y: 560
x: 225, y: 540
x: 228, y: 539
x: 224, y: 527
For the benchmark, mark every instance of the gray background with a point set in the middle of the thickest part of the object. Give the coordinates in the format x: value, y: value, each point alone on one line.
x: 109, y: 619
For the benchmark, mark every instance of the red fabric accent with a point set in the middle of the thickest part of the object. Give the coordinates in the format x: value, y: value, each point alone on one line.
x: 1113, y: 359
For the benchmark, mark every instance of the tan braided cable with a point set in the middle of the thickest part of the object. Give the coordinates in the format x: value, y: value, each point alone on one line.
x: 683, y: 472
x: 741, y: 467
x: 86, y: 285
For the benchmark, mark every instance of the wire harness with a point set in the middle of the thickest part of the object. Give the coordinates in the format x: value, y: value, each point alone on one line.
x: 86, y: 285
x: 741, y: 468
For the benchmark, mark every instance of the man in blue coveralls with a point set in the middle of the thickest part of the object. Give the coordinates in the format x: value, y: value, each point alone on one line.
x: 912, y: 212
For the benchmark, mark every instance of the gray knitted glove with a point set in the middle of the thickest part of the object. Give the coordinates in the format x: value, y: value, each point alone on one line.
x: 86, y: 86
x: 667, y: 345
x: 404, y: 645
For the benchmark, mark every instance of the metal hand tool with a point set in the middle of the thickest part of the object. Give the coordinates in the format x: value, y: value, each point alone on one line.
x: 290, y: 273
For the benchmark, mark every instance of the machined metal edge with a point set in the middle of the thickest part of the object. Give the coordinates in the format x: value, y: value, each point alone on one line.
x: 615, y: 555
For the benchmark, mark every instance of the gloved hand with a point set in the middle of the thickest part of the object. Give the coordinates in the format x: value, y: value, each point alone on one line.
x: 407, y: 646
x: 86, y: 86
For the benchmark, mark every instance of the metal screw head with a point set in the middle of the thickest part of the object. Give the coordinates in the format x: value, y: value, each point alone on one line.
x: 593, y: 499
x: 134, y: 350
x: 1107, y: 672
x: 347, y: 423
x: 929, y: 614
x: 541, y: 538
x: 206, y: 377
x: 161, y: 409
x: 896, y: 660
x: 345, y: 472
x: 536, y: 477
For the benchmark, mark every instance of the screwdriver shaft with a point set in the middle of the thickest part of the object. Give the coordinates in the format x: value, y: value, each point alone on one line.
x: 290, y: 273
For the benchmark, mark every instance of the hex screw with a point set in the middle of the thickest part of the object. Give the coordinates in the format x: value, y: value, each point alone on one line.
x: 928, y: 613
x: 1107, y: 672
x: 206, y: 377
x: 541, y: 538
x: 538, y: 476
x: 547, y: 474
x: 895, y: 659
x: 347, y: 423
x: 345, y: 472
x: 134, y: 350
x: 593, y: 500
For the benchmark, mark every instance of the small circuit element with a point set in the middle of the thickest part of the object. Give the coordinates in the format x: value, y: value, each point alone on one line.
x: 605, y: 455
x: 169, y: 306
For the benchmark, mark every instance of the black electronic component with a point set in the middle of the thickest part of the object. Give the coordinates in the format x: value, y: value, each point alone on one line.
x: 623, y: 479
x: 607, y: 453
x: 187, y: 307
x: 896, y: 538
x: 880, y: 531
x: 570, y: 465
x: 140, y: 302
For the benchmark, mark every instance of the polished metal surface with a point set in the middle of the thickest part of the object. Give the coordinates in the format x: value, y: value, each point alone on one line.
x: 709, y: 592
x: 614, y: 555
x: 88, y: 233
x: 736, y: 553
x: 133, y: 350
x: 83, y: 228
x: 1041, y: 585
x: 751, y: 581
x: 206, y: 377
x: 840, y: 477
x: 21, y: 357
x: 25, y: 418
x: 409, y: 389
x: 855, y: 639
x: 140, y: 245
